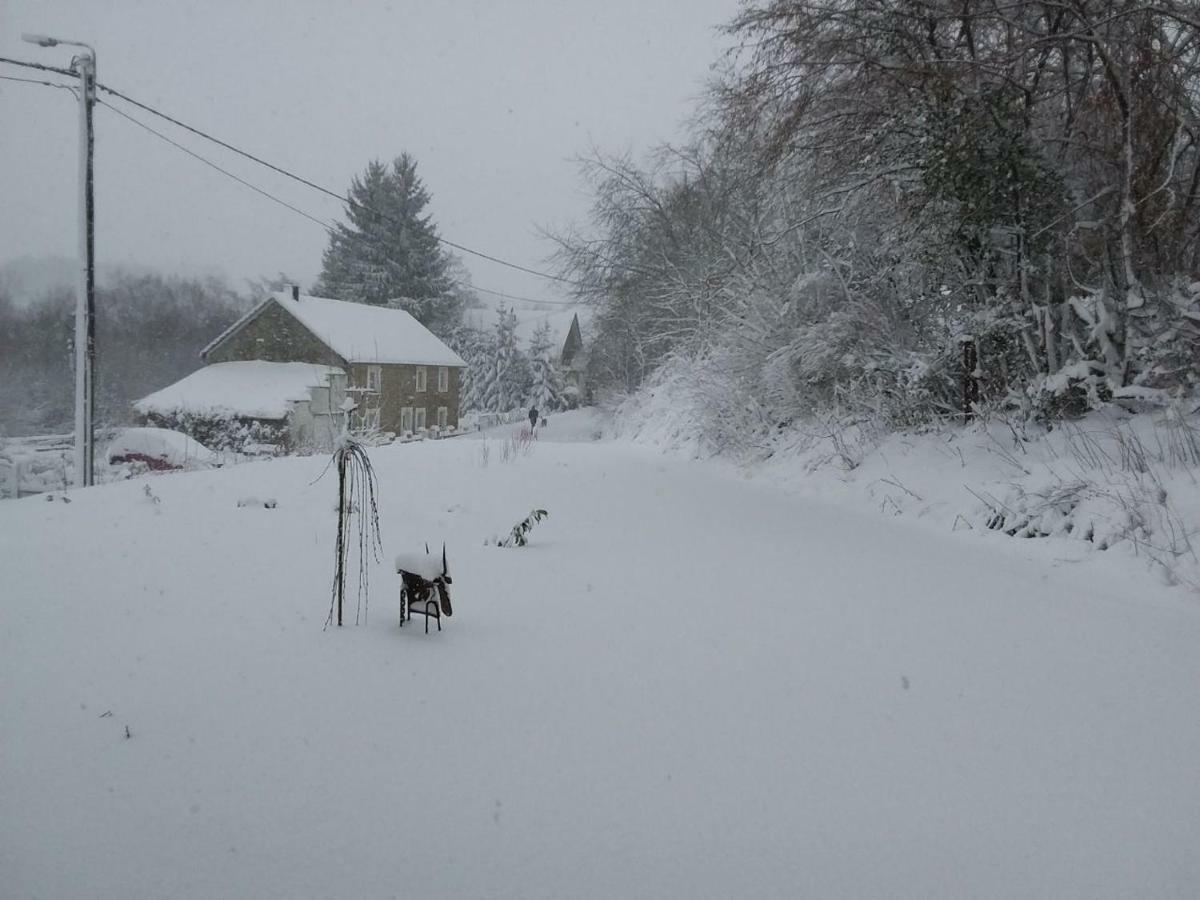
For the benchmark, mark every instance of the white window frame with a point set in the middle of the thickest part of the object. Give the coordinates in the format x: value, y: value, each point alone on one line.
x: 374, y: 378
x: 443, y: 379
x: 369, y: 420
x: 422, y: 378
x: 443, y: 417
x: 406, y: 419
x: 418, y: 418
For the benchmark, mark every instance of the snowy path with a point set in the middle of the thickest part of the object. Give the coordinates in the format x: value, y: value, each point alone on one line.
x: 687, y: 686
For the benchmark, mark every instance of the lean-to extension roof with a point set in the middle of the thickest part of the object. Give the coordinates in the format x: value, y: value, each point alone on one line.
x: 251, y: 389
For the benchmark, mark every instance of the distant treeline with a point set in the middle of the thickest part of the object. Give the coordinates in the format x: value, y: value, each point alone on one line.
x: 149, y: 331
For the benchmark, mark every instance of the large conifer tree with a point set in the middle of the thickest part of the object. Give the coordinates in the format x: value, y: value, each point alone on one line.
x: 507, y: 370
x: 547, y: 390
x: 389, y: 253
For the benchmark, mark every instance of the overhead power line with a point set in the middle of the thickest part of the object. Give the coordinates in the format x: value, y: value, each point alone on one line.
x: 322, y: 189
x: 327, y: 226
x: 65, y: 87
x: 213, y: 165
x: 39, y: 66
x: 262, y: 162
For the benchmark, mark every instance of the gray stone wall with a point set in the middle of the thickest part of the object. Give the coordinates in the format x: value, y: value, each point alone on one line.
x: 274, y: 336
x: 398, y: 389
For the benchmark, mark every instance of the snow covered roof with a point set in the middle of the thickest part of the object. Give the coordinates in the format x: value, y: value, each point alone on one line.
x: 253, y: 389
x: 358, y: 333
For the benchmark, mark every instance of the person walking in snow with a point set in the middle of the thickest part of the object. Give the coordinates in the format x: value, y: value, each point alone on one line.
x: 533, y: 418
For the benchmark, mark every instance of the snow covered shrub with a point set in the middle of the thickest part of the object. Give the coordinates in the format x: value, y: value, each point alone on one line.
x: 1112, y: 484
x: 1107, y: 514
x: 1180, y: 439
x: 1003, y: 363
x: 222, y: 432
x: 846, y: 440
x: 861, y: 357
x: 1069, y: 393
x: 519, y: 443
x: 1164, y: 333
x: 663, y: 413
x: 519, y: 535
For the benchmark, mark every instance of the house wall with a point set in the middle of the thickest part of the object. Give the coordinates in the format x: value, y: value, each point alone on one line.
x: 274, y: 336
x: 398, y: 388
x: 315, y: 423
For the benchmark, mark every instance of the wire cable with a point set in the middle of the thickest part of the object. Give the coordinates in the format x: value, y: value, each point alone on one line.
x: 323, y: 190
x: 213, y: 165
x: 37, y: 81
x: 33, y: 65
x: 65, y: 87
x: 330, y: 228
x: 262, y: 162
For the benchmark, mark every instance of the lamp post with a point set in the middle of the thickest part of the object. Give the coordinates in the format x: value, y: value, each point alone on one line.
x: 85, y: 300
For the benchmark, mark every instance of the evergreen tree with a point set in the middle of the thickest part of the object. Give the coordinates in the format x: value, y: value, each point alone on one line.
x: 474, y: 347
x: 390, y: 254
x: 507, y: 369
x: 546, y: 392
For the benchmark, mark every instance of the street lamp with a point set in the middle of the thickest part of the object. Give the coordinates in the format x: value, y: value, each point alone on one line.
x: 85, y: 300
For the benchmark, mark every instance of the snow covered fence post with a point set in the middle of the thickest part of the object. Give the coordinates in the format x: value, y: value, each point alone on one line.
x: 970, y: 377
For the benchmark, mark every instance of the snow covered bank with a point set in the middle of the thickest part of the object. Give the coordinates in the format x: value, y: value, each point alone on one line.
x: 1113, y: 480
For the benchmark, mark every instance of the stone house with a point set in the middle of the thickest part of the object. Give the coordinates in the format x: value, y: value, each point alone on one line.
x: 377, y: 366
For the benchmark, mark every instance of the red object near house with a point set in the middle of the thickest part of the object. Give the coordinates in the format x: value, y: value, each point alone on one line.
x: 154, y: 463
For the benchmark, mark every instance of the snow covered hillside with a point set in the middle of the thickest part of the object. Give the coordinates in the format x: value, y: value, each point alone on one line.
x: 689, y: 684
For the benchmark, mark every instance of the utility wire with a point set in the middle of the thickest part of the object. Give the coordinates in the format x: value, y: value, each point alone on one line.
x: 33, y: 65
x: 281, y: 171
x: 327, y: 226
x: 286, y: 173
x: 323, y: 190
x: 213, y: 165
x: 65, y: 87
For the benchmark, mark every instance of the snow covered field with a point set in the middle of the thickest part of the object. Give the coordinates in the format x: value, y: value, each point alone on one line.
x: 689, y: 684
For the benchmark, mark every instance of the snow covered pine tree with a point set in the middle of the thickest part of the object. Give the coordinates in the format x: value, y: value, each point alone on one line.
x: 547, y: 390
x: 507, y: 371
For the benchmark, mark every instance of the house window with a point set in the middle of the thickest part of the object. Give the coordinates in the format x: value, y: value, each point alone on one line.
x: 443, y: 416
x: 443, y: 379
x: 374, y: 377
x: 406, y: 418
x: 420, y: 421
x: 369, y: 420
x: 420, y: 378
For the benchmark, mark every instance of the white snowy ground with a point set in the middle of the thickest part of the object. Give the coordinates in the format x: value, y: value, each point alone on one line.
x: 688, y: 685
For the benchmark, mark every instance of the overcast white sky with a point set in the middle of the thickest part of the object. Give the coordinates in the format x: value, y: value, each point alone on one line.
x: 494, y: 98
